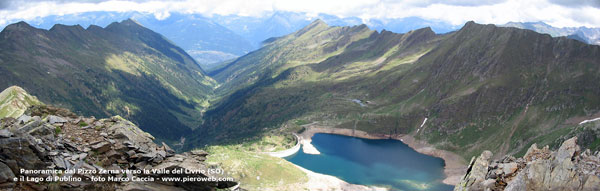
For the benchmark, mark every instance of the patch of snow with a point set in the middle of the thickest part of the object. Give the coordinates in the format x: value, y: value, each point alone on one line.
x: 309, y: 148
x: 359, y: 102
x: 587, y: 121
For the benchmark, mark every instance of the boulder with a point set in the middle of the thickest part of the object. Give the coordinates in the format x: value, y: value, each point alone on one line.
x: 130, y: 135
x: 89, y: 120
x: 199, y: 153
x: 6, y: 174
x: 101, y: 147
x: 567, y: 150
x: 59, y: 162
x: 53, y: 119
x: 42, y: 130
x: 5, y: 133
x: 508, y: 168
x: 476, y: 173
x: 517, y: 184
x: 170, y: 152
x: 22, y: 151
x: 113, y: 154
x: 35, y: 122
x: 71, y: 146
x: 161, y: 153
x: 82, y: 156
x: 23, y: 119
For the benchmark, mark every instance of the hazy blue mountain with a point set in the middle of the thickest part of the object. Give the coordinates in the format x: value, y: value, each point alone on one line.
x: 404, y: 25
x: 205, y: 40
x: 258, y: 29
x: 587, y: 35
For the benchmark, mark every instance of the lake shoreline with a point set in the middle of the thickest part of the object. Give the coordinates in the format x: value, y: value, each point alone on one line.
x: 454, y: 168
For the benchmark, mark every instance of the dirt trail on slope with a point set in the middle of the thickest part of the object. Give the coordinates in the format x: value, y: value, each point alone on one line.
x: 506, y: 145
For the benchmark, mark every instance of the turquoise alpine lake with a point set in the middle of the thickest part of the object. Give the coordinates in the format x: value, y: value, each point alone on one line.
x: 383, y: 162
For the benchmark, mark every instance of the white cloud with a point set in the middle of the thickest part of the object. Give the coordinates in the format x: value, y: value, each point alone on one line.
x: 453, y: 11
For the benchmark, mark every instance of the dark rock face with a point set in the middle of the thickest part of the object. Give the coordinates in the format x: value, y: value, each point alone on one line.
x: 540, y: 169
x: 53, y: 139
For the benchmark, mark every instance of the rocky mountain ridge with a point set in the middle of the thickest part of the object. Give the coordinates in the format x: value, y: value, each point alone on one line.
x: 55, y: 139
x: 14, y: 101
x: 568, y: 168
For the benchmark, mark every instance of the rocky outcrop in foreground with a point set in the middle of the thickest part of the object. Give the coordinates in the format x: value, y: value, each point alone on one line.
x: 48, y: 138
x: 540, y: 169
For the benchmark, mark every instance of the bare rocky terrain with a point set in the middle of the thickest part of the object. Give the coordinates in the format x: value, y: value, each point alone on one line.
x: 49, y: 138
x: 569, y: 168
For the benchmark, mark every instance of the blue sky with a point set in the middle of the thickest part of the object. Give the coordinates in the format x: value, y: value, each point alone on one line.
x: 559, y: 13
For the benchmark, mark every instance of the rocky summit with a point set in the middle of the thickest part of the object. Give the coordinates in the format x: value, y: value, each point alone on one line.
x: 569, y: 168
x: 73, y: 148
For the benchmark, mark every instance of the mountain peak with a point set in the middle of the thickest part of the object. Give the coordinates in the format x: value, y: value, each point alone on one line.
x: 472, y: 25
x: 19, y: 26
x: 130, y: 21
x: 16, y: 89
x: 318, y: 22
x: 127, y: 23
x: 423, y: 30
x: 66, y: 27
x: 22, y: 23
x: 315, y: 25
x: 422, y: 33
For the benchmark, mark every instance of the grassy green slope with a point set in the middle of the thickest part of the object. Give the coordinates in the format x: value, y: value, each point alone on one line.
x: 321, y: 86
x: 14, y: 101
x: 312, y: 44
x: 504, y: 87
x: 256, y: 170
x: 123, y: 69
x: 482, y: 87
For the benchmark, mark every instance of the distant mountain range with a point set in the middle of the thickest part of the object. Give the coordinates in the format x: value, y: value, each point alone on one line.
x: 122, y: 69
x: 584, y: 34
x: 258, y: 29
x: 211, y: 40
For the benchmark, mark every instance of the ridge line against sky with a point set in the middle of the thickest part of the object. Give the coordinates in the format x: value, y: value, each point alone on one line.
x: 558, y: 13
